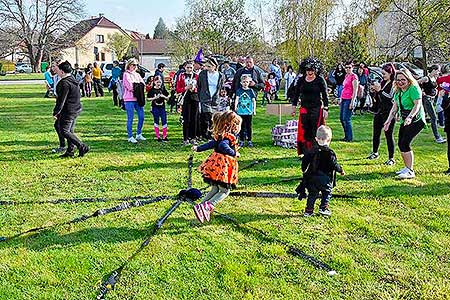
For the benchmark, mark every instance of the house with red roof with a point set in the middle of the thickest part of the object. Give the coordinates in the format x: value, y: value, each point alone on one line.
x: 91, y: 46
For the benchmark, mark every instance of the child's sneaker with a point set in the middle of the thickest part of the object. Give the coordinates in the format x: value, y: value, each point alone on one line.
x: 207, y: 209
x: 199, y: 213
x: 250, y: 144
x: 241, y: 144
x: 308, y: 214
x: 325, y: 211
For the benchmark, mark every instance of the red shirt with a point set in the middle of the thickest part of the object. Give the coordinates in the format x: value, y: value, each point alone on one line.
x: 441, y: 80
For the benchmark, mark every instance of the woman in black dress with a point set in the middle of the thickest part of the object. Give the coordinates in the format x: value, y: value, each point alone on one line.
x: 311, y: 93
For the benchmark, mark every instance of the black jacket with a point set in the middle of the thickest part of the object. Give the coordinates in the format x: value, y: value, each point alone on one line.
x: 68, y: 99
x: 321, y: 162
x: 139, y: 93
x: 207, y: 100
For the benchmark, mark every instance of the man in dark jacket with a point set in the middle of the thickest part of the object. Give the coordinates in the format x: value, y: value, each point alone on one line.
x: 255, y: 74
x: 209, y: 84
x: 68, y: 108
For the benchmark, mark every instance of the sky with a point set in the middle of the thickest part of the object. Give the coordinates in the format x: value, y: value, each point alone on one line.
x: 140, y: 15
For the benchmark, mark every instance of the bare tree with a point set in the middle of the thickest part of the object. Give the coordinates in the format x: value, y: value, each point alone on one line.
x: 300, y: 28
x: 419, y: 26
x: 40, y: 24
x: 219, y: 26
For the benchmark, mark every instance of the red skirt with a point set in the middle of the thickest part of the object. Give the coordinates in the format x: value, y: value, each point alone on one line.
x: 220, y: 169
x: 308, y: 122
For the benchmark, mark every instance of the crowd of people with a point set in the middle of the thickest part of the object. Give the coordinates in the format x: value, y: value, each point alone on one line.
x: 217, y: 104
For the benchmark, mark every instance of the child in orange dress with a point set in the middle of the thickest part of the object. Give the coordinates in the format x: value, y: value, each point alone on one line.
x: 220, y: 169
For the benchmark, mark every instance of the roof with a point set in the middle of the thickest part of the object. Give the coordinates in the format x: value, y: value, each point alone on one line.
x: 83, y: 27
x: 152, y: 46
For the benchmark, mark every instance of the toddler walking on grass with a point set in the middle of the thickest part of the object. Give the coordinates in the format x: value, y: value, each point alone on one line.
x: 319, y: 172
x: 220, y: 169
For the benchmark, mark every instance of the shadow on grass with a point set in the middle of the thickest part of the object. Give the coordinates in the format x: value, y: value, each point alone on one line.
x: 48, y: 238
x: 45, y: 239
x: 404, y: 190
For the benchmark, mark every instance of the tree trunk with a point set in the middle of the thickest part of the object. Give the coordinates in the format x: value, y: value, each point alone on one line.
x: 424, y: 58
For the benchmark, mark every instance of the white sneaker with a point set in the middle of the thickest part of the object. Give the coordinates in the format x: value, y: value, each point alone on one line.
x: 405, y: 169
x: 441, y: 140
x: 140, y: 137
x: 132, y: 140
x: 407, y: 175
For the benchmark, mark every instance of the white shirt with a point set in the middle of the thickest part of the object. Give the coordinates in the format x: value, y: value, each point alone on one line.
x: 213, y: 82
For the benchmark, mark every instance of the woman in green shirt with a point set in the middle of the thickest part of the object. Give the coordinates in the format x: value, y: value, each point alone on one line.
x: 408, y: 105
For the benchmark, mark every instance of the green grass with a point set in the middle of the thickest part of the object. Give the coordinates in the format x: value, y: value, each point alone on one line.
x: 390, y: 243
x: 20, y: 76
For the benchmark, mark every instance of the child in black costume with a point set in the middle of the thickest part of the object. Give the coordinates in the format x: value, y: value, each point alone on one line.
x: 319, y: 172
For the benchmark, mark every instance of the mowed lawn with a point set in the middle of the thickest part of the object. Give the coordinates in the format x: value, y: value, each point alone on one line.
x: 392, y: 242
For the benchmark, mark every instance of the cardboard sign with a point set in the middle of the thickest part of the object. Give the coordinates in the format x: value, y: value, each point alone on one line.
x: 279, y: 109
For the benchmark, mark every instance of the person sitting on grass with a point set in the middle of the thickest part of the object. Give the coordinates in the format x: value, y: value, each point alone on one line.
x: 220, y: 169
x: 319, y: 172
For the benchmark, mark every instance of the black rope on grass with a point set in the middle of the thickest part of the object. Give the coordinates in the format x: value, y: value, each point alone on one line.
x: 75, y: 200
x: 97, y: 213
x: 291, y: 249
x: 113, y: 278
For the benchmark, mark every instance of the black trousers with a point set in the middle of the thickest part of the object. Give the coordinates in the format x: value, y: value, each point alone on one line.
x: 378, y: 124
x: 205, y: 124
x: 246, y: 128
x: 98, y: 87
x: 62, y: 140
x: 314, y: 185
x: 67, y: 125
x: 407, y: 133
x: 190, y: 119
x: 115, y: 96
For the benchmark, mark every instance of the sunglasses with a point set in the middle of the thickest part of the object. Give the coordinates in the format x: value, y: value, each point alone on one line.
x: 348, y: 67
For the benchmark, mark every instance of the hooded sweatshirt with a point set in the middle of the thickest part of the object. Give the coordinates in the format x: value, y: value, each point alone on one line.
x: 68, y: 99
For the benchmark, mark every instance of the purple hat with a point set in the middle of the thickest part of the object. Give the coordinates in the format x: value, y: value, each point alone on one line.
x: 199, y: 58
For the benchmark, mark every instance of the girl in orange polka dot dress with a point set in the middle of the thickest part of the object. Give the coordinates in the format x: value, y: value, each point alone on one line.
x: 220, y: 169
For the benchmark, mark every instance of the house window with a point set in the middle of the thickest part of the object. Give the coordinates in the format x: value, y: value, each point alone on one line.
x: 97, y: 55
x: 102, y: 56
x: 100, y: 38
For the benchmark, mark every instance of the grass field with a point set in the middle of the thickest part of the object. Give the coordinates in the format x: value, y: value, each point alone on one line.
x: 19, y: 76
x: 392, y: 242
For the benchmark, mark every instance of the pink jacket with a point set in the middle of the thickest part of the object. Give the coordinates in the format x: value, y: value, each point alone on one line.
x: 128, y: 79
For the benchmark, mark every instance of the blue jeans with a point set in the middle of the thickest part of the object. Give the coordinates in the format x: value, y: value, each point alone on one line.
x: 339, y: 90
x: 345, y: 117
x: 130, y: 107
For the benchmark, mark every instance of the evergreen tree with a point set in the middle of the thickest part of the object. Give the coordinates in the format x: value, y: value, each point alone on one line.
x: 161, y: 31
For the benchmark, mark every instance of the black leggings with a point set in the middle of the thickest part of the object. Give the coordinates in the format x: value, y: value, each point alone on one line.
x: 190, y: 119
x: 378, y: 124
x: 407, y: 133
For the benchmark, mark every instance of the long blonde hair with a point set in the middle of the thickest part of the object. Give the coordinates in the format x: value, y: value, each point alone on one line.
x: 408, y: 76
x: 225, y: 123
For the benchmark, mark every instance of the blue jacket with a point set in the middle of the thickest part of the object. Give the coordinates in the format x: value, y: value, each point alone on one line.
x: 116, y: 72
x: 221, y: 146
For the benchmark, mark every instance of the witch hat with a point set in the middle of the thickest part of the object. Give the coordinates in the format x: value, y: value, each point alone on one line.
x: 200, y: 58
